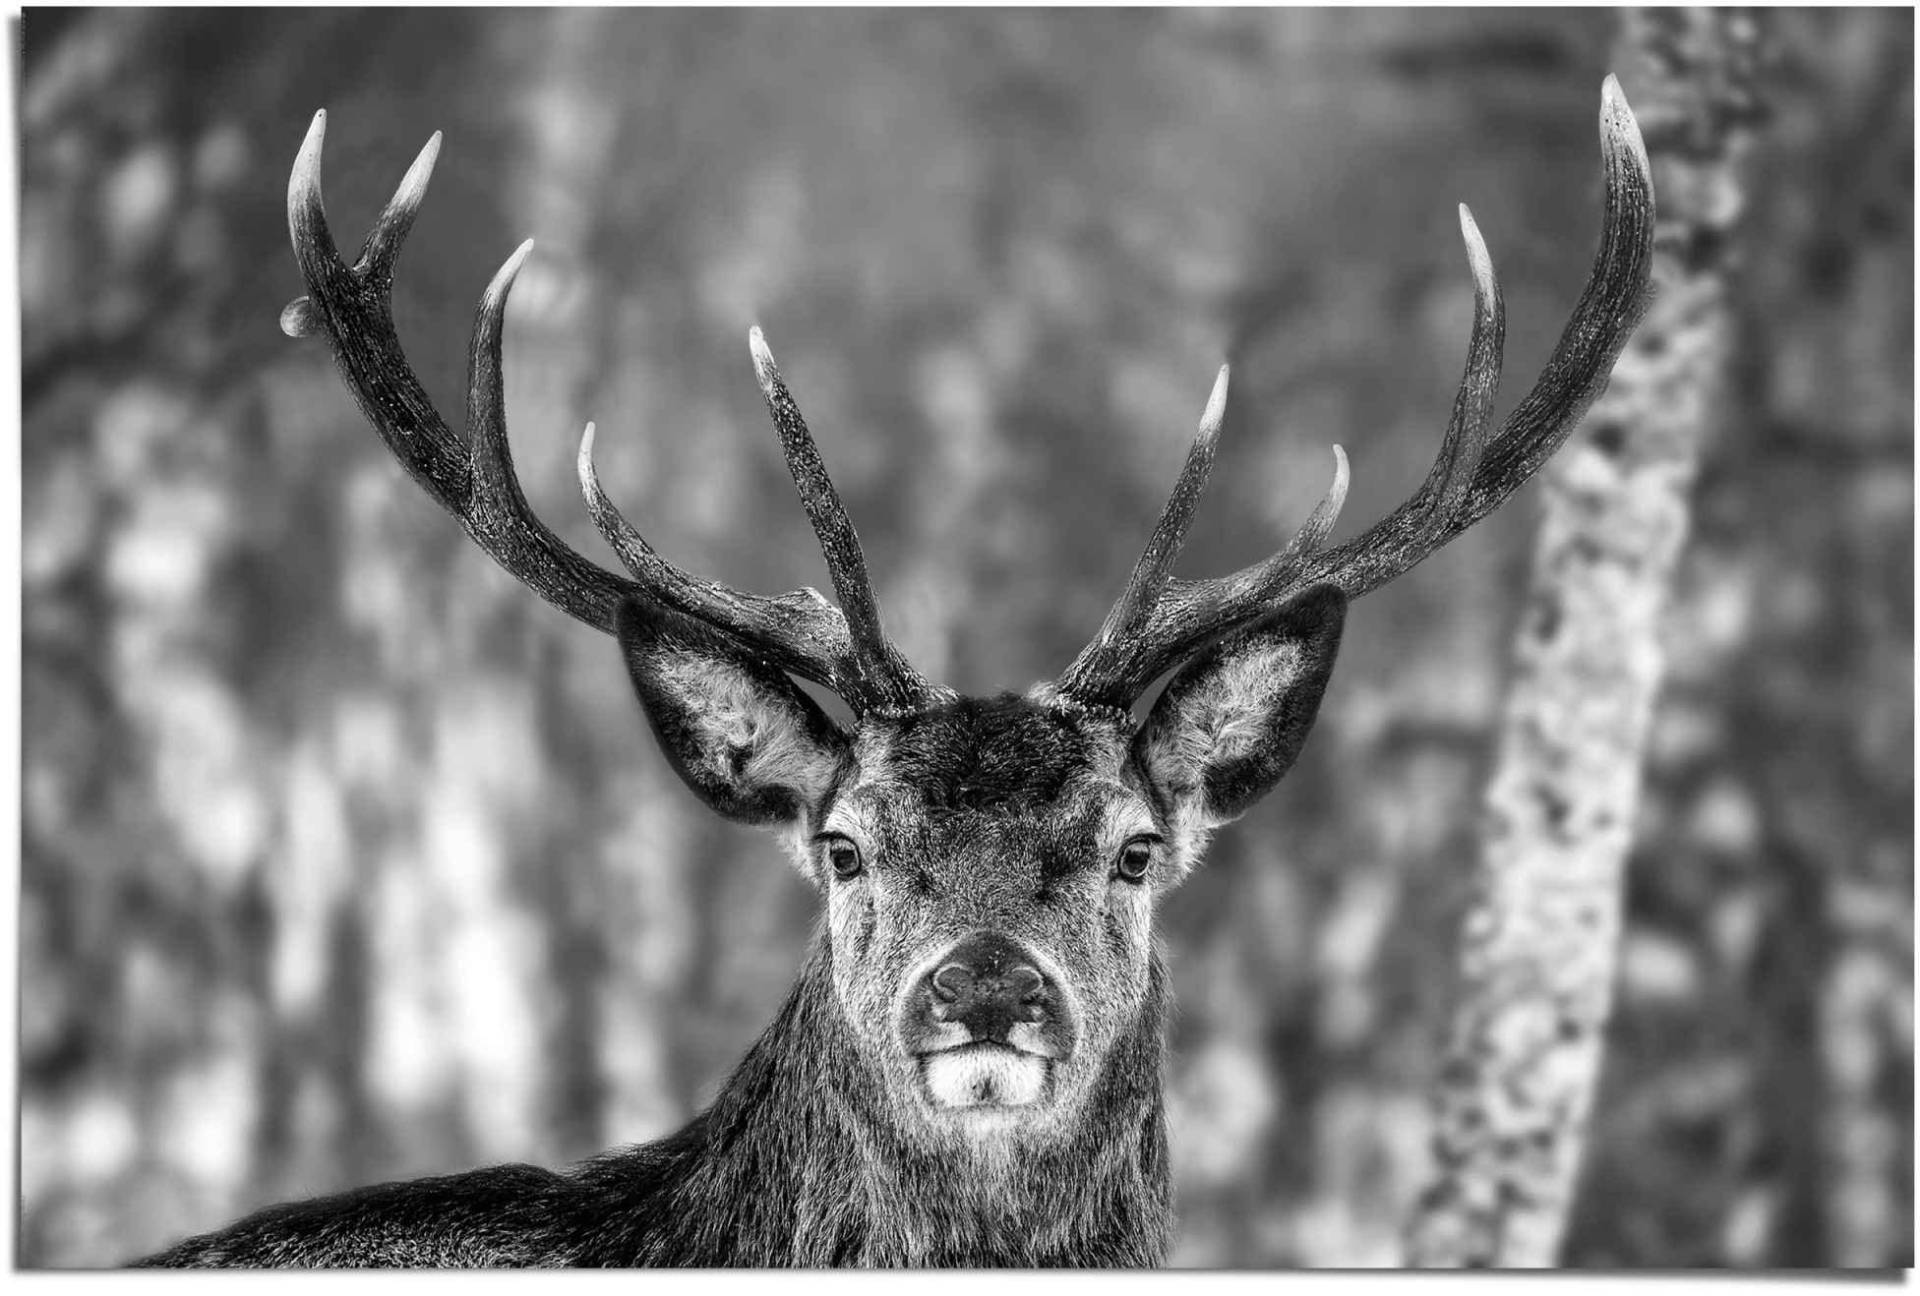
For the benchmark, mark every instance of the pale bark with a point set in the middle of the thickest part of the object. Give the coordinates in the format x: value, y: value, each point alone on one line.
x: 1539, y: 943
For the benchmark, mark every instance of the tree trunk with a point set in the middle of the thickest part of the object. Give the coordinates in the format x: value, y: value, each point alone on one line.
x: 1539, y: 942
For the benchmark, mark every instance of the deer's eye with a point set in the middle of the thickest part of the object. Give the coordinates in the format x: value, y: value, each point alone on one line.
x: 1135, y: 858
x: 843, y: 855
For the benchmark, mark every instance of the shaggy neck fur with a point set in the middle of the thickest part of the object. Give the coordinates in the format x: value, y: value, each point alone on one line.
x: 798, y: 1163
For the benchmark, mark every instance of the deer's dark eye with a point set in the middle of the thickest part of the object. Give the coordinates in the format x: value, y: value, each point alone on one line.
x: 1135, y: 858
x: 843, y: 855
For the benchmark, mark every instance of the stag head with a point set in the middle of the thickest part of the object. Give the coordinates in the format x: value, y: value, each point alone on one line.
x: 989, y: 867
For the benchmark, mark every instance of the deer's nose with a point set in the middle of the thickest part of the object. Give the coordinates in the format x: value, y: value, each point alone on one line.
x: 988, y: 984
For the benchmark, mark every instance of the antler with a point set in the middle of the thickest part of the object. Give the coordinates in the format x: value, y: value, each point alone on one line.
x: 474, y: 478
x: 1160, y: 620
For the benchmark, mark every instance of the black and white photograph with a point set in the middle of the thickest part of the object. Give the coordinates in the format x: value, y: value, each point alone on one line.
x: 1243, y: 639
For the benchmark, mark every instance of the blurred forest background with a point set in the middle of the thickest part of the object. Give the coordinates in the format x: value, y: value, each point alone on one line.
x: 346, y: 859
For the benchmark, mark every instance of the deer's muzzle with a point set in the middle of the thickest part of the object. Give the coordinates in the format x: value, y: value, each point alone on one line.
x: 987, y: 1023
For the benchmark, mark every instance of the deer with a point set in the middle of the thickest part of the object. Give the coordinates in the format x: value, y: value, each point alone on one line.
x: 968, y: 1069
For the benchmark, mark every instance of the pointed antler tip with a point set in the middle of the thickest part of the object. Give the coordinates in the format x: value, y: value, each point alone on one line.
x: 494, y: 302
x: 584, y: 469
x: 1614, y: 109
x: 1320, y: 523
x: 1478, y: 260
x: 1216, y: 410
x: 1619, y: 128
x: 1342, y: 477
x: 306, y: 165
x: 423, y: 164
x: 763, y: 367
x: 397, y: 219
x: 306, y: 209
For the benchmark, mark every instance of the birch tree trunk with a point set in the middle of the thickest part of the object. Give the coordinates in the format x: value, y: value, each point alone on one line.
x: 1512, y: 1096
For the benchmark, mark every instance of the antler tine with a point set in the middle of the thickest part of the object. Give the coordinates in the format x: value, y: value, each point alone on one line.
x: 1185, y: 614
x: 800, y: 631
x: 1421, y: 524
x: 474, y: 478
x: 1120, y: 639
x: 1277, y: 572
x: 396, y: 220
x: 497, y: 515
x: 352, y: 309
x: 1619, y: 290
x: 1466, y: 437
x: 884, y: 673
x: 1472, y: 474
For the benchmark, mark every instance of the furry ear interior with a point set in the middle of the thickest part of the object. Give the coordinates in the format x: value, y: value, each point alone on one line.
x: 1235, y: 717
x: 738, y: 732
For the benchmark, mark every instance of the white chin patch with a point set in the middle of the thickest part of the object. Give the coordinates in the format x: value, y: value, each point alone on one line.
x: 985, y: 1077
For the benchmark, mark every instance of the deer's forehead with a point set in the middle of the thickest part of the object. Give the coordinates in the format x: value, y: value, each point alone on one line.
x: 978, y: 765
x: 1001, y: 754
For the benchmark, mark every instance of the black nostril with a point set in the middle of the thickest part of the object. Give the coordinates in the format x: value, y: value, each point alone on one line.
x: 987, y: 985
x: 1026, y: 983
x: 951, y: 981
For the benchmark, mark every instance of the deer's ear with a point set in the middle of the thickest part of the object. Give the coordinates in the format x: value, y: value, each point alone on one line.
x: 739, y: 732
x: 1235, y: 717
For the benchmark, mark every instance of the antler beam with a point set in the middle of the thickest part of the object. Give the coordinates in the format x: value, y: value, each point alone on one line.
x: 1159, y: 620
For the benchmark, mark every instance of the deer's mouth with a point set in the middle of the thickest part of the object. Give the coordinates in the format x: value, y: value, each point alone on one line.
x: 985, y: 1075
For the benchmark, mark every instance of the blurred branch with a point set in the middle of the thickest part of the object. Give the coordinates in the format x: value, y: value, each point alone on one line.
x: 1540, y: 939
